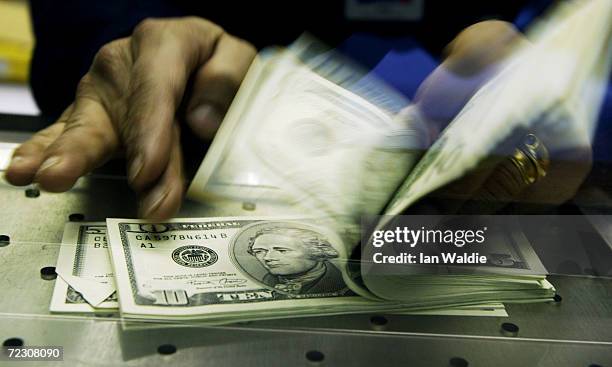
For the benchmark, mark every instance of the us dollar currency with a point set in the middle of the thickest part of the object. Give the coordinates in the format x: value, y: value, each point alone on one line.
x: 85, y: 280
x: 231, y: 269
x: 546, y: 87
x: 512, y: 272
x: 485, y: 309
x: 506, y: 249
x: 84, y: 261
x: 294, y: 138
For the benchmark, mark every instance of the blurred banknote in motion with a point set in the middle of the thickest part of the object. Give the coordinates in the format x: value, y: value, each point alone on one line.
x: 307, y: 134
x: 311, y: 146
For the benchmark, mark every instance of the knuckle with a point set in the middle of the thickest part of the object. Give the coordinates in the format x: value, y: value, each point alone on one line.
x: 87, y: 87
x: 203, y: 23
x: 493, y: 25
x: 109, y: 66
x: 247, y: 48
x: 85, y: 83
x: 496, y: 33
x: 107, y: 56
x: 146, y: 27
x: 65, y: 115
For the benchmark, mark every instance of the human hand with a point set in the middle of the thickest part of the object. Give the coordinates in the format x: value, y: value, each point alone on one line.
x: 542, y: 166
x: 128, y: 103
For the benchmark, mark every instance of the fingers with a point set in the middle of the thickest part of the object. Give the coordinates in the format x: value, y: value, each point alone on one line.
x: 81, y: 140
x: 470, y: 194
x: 479, y: 190
x: 569, y: 145
x: 216, y: 84
x: 472, y: 59
x: 28, y: 157
x: 568, y: 170
x: 87, y: 140
x: 165, y: 53
x: 128, y: 101
x: 482, y: 45
x: 164, y: 199
x: 501, y: 185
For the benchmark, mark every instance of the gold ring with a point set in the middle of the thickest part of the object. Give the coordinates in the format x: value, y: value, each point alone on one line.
x: 531, y: 159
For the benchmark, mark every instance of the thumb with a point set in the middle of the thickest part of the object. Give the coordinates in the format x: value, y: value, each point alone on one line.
x: 216, y: 84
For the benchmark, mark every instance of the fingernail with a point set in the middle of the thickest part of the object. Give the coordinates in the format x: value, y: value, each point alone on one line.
x: 50, y: 162
x: 16, y: 161
x: 135, y: 167
x: 205, y: 120
x: 153, y: 200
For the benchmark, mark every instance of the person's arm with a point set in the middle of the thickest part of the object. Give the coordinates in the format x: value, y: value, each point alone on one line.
x: 561, y: 152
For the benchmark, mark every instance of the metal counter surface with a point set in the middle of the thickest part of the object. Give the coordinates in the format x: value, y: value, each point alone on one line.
x: 575, y: 331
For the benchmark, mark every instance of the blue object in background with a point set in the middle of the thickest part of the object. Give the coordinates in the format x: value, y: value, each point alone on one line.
x: 405, y: 70
x: 400, y: 62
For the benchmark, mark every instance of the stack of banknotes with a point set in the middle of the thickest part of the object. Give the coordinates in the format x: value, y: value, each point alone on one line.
x: 220, y: 270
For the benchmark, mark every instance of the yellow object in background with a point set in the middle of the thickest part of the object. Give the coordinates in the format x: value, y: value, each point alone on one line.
x: 16, y: 41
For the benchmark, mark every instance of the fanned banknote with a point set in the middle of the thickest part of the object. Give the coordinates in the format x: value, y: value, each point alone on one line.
x: 314, y: 147
x: 293, y: 138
